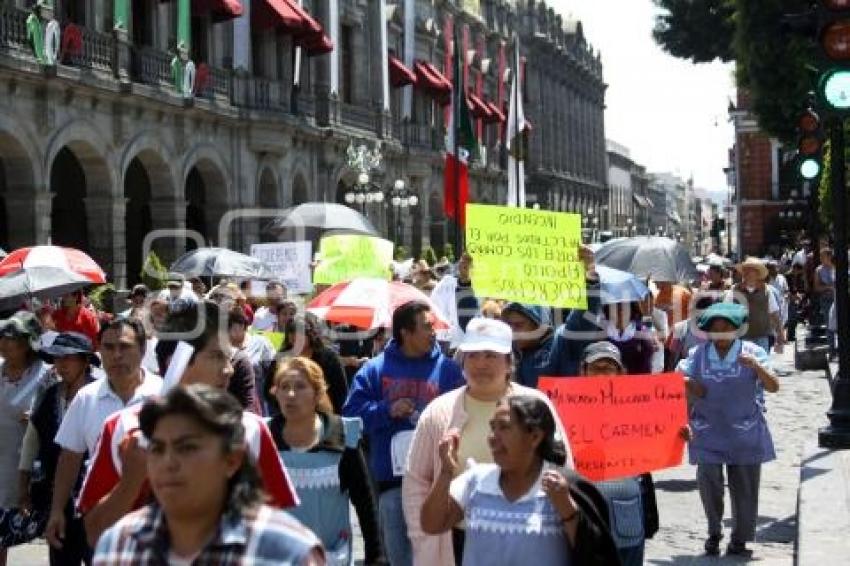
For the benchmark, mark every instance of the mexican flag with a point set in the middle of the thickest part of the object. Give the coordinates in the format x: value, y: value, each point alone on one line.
x: 461, y: 146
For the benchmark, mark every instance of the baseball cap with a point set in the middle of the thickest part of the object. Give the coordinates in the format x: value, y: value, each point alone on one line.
x: 602, y: 351
x: 487, y: 335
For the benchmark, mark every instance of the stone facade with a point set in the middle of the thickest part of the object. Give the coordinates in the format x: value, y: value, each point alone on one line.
x: 628, y: 184
x: 100, y: 150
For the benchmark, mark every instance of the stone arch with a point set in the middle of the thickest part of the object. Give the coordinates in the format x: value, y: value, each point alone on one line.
x: 87, y: 144
x: 148, y: 182
x: 207, y: 190
x: 150, y: 149
x: 19, y: 180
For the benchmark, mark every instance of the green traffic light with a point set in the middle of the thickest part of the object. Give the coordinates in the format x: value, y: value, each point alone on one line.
x: 809, y: 168
x: 836, y: 89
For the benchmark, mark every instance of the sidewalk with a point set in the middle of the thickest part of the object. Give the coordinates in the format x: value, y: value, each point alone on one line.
x: 824, y: 512
x: 794, y: 415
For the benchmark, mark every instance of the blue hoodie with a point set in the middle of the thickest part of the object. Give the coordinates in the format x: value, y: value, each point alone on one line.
x: 387, y: 378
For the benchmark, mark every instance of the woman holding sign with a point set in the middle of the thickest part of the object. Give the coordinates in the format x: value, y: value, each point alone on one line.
x: 485, y: 356
x: 726, y: 377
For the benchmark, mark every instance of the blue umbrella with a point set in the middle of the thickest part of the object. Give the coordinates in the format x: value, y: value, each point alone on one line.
x: 619, y: 286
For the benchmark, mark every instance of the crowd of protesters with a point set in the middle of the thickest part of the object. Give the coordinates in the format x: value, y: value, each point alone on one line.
x: 178, y: 432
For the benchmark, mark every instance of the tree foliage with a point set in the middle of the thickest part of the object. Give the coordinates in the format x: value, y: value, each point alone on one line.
x: 772, y: 64
x: 701, y: 30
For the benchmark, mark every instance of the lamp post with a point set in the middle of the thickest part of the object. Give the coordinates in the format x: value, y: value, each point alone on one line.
x: 362, y: 193
x: 629, y: 227
x: 592, y: 220
x: 401, y: 199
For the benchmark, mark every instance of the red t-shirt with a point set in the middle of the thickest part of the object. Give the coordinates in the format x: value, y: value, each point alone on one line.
x: 83, y: 321
x: 104, y: 470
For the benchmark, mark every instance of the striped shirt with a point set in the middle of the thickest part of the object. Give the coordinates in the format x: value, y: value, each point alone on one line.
x: 104, y: 471
x: 262, y: 536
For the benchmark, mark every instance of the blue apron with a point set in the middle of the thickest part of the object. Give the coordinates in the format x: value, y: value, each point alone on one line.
x: 728, y: 423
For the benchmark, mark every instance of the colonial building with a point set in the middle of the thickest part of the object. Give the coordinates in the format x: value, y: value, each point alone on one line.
x: 629, y: 205
x: 124, y: 119
x: 773, y: 208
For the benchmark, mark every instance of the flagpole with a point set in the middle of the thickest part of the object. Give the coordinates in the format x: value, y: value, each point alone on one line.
x: 455, y: 117
x: 518, y: 133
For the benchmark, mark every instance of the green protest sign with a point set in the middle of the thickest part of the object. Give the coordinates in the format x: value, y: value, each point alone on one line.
x: 525, y: 255
x: 347, y: 256
x: 276, y: 338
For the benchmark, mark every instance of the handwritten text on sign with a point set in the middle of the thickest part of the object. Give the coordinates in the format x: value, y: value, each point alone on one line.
x: 621, y: 426
x: 525, y: 255
x: 348, y: 256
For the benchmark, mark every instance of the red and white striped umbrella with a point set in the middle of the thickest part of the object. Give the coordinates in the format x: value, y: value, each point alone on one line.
x: 69, y: 259
x: 369, y: 303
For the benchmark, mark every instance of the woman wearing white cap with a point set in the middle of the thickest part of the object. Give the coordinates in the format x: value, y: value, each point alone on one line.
x: 488, y: 366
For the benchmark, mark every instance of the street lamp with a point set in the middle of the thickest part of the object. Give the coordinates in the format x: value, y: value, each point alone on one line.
x: 629, y: 227
x: 400, y: 199
x: 362, y: 193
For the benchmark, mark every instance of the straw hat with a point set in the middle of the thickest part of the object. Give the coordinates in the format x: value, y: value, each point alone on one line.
x: 754, y: 263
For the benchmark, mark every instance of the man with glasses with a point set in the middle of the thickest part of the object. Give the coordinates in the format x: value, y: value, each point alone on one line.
x: 388, y: 394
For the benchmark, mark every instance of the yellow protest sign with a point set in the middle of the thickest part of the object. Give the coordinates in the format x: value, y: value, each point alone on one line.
x: 525, y: 255
x: 276, y: 338
x: 346, y: 256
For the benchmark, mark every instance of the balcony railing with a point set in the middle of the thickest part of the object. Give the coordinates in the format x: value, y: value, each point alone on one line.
x: 266, y: 94
x: 151, y: 66
x: 422, y: 136
x: 357, y: 116
x: 13, y: 27
x: 98, y: 50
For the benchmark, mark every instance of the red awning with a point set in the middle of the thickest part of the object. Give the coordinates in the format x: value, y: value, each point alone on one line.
x: 317, y: 44
x: 219, y: 10
x: 496, y: 115
x: 478, y: 107
x: 400, y: 75
x: 430, y: 79
x: 285, y: 15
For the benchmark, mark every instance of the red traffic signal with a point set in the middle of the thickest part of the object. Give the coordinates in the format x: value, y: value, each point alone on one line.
x: 834, y: 29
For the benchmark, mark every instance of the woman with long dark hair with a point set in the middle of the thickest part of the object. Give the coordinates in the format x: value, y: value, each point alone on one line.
x: 304, y: 338
x: 212, y: 517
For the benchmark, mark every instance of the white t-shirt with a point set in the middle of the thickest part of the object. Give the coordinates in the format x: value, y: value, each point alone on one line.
x: 93, y: 404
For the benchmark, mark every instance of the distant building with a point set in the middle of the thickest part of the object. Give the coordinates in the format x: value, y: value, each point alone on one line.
x: 628, y: 204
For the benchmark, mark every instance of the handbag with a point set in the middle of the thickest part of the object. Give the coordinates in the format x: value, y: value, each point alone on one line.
x: 651, y: 521
x: 20, y: 527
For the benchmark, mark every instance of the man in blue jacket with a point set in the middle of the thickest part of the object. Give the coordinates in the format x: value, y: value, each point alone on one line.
x: 388, y: 394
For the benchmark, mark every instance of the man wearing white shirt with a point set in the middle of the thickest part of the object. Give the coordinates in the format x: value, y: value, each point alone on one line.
x: 122, y: 345
x: 266, y: 317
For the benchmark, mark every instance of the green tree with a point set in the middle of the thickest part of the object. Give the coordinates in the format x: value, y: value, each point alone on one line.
x: 401, y: 253
x: 430, y: 256
x: 772, y: 64
x: 449, y: 252
x: 154, y: 274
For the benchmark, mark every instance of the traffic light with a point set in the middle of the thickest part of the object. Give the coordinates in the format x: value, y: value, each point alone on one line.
x: 833, y: 33
x: 809, y: 144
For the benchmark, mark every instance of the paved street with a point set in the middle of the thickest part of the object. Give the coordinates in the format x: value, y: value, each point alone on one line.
x: 794, y: 415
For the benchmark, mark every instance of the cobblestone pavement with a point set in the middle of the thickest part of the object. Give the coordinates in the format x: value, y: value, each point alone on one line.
x: 794, y: 414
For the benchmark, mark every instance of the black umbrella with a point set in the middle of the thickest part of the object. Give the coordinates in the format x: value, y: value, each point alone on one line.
x: 40, y: 281
x: 322, y: 216
x: 658, y: 257
x: 221, y: 262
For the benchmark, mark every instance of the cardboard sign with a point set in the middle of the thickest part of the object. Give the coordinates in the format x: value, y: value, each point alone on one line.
x: 621, y: 426
x: 290, y: 261
x: 345, y: 257
x: 526, y: 255
x: 276, y: 338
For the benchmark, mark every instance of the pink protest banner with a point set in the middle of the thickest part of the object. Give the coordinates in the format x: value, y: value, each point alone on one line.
x: 620, y: 426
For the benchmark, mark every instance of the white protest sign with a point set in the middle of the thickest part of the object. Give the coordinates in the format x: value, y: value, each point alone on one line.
x: 290, y: 262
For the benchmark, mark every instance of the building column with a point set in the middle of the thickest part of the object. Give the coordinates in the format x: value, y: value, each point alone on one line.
x: 184, y: 25
x: 28, y: 214
x: 242, y: 56
x: 169, y: 215
x: 107, y: 238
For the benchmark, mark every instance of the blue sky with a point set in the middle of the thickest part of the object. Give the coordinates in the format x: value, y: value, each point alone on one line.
x: 669, y: 113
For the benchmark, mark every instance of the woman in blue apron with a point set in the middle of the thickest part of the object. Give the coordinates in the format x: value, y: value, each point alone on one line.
x: 727, y: 422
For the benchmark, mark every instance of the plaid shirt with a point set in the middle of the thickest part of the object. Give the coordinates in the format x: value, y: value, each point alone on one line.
x: 265, y: 536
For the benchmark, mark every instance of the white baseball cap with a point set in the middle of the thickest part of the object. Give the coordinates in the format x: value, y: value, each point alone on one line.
x: 487, y: 335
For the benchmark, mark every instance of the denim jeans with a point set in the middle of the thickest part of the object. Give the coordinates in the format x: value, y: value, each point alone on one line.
x: 394, y: 528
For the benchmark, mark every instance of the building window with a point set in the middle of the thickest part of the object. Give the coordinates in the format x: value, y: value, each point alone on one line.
x: 143, y: 22
x: 74, y: 11
x: 200, y: 40
x: 346, y: 64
